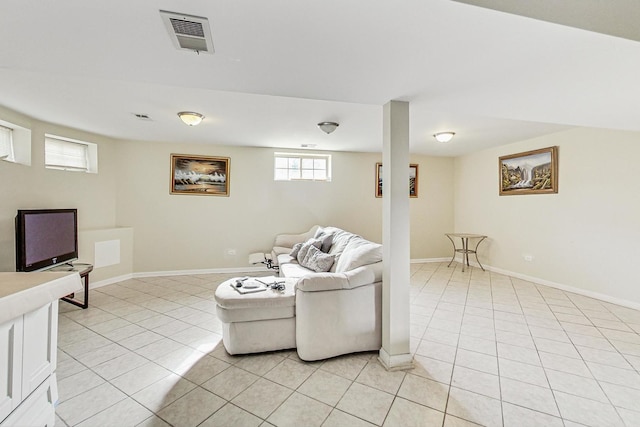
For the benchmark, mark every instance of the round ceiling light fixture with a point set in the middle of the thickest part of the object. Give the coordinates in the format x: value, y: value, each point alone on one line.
x: 444, y: 137
x: 190, y: 118
x: 328, y: 127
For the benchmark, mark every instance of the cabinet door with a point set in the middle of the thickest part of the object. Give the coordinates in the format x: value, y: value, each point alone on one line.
x: 39, y: 346
x: 10, y: 366
x: 38, y: 409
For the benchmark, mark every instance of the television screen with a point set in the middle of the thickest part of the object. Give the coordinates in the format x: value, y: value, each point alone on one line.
x: 45, y: 238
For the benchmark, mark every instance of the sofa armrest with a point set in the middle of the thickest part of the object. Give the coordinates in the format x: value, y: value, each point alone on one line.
x: 288, y: 240
x: 277, y: 251
x: 322, y: 282
x: 355, y: 278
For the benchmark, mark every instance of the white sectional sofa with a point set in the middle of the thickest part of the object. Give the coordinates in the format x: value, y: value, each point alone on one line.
x: 338, y: 311
x: 321, y: 313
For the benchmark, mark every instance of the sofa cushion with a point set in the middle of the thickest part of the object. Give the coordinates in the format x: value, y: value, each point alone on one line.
x: 339, y: 242
x: 326, y: 237
x: 227, y: 297
x: 294, y: 270
x: 357, y: 253
x: 295, y: 250
x: 270, y: 304
x: 317, y: 260
x: 285, y: 259
x: 302, y: 252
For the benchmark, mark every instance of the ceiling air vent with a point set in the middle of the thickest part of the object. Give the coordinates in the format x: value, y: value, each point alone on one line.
x: 188, y: 32
x: 143, y: 116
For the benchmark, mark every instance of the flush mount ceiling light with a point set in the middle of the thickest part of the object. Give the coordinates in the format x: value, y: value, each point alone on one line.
x: 190, y: 118
x: 328, y: 127
x: 444, y: 136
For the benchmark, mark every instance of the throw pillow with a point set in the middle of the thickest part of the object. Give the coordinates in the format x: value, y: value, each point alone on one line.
x: 326, y: 240
x: 295, y: 250
x: 359, y: 252
x: 319, y: 231
x: 317, y: 260
x: 305, y: 248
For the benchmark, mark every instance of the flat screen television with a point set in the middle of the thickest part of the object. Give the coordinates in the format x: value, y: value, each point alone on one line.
x: 46, y: 238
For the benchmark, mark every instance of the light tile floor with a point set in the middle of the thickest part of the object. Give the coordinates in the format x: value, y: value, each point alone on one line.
x: 488, y: 349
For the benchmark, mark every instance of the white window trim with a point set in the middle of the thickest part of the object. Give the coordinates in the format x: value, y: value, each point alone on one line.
x: 91, y: 151
x: 301, y: 156
x: 9, y: 154
x: 20, y: 144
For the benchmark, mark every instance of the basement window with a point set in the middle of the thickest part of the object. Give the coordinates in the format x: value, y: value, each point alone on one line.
x: 302, y: 167
x: 15, y: 143
x: 6, y: 144
x: 70, y: 155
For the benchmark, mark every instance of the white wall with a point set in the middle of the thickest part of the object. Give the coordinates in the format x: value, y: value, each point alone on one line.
x: 129, y: 200
x: 432, y: 212
x: 586, y: 236
x: 33, y: 187
x: 185, y: 232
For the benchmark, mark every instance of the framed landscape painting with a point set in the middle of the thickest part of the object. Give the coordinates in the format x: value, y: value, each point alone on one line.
x: 199, y: 175
x: 531, y: 172
x: 413, y: 180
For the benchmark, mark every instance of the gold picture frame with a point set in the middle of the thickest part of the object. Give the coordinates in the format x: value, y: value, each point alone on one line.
x: 413, y: 180
x: 199, y: 175
x: 530, y: 172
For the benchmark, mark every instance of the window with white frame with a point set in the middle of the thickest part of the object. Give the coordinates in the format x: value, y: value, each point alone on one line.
x: 302, y: 167
x: 6, y: 143
x: 15, y: 143
x: 69, y: 154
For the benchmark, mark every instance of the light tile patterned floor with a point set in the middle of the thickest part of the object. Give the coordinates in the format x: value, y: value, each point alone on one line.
x: 489, y: 349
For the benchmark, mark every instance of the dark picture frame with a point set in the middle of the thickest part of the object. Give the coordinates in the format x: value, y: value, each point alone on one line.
x: 413, y: 180
x: 199, y: 175
x: 530, y: 172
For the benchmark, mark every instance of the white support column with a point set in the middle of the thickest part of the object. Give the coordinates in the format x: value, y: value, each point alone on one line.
x: 395, y: 353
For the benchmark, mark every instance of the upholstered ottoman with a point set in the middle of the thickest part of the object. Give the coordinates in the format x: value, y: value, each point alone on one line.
x: 258, y: 321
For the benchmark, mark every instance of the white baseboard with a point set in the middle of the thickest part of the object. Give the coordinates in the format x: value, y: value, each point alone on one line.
x: 563, y: 287
x: 112, y: 280
x: 568, y: 288
x: 201, y: 271
x: 109, y: 281
x: 423, y: 260
x: 537, y: 280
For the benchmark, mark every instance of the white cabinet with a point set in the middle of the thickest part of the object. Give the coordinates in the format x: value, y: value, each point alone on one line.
x: 28, y: 345
x: 38, y: 410
x: 39, y: 344
x: 10, y: 366
x: 27, y: 365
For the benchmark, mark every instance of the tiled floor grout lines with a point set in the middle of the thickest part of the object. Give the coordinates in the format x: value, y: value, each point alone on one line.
x: 488, y: 349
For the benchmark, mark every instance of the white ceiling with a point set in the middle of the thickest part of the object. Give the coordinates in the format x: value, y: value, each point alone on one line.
x: 282, y: 66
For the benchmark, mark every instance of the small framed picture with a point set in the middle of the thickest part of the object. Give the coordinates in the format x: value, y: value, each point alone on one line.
x: 531, y: 172
x: 413, y: 180
x: 199, y: 175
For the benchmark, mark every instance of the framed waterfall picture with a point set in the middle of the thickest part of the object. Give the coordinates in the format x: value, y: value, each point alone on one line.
x: 413, y: 180
x: 199, y: 175
x: 531, y: 172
